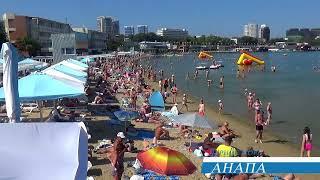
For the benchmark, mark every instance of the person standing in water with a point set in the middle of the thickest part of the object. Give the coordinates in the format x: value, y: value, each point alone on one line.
x: 187, y: 76
x: 269, y: 113
x: 221, y: 82
x: 160, y: 85
x: 196, y: 74
x: 259, y: 126
x: 201, y: 108
x: 220, y: 106
x: 184, y: 101
x: 250, y: 101
x: 174, y: 91
x: 306, y: 144
x: 207, y: 73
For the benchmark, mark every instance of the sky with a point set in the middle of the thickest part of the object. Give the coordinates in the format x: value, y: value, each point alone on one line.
x: 217, y: 17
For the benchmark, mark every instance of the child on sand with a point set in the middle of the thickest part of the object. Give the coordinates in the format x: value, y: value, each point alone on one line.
x: 174, y: 91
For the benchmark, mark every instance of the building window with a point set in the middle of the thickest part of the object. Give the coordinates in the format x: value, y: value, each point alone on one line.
x: 69, y: 50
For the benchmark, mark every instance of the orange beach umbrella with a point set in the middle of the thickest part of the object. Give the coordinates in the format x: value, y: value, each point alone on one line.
x: 166, y: 161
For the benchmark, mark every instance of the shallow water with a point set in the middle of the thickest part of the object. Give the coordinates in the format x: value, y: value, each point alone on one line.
x: 293, y: 89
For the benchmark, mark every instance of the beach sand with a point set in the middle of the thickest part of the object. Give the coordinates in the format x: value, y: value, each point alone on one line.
x: 273, y: 145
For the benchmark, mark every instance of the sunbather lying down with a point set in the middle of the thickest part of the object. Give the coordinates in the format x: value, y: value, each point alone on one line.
x: 153, y: 118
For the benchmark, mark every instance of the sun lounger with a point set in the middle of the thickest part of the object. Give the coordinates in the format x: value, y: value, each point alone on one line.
x: 29, y: 107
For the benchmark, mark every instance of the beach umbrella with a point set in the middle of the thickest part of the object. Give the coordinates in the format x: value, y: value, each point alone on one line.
x: 165, y: 161
x: 10, y: 82
x: 69, y: 71
x: 40, y: 86
x: 78, y: 63
x: 194, y: 120
x: 126, y: 115
x: 61, y: 75
x: 73, y: 66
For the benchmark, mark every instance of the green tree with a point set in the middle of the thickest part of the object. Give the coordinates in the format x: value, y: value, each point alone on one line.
x: 114, y: 43
x: 3, y: 35
x: 28, y: 46
x: 246, y: 40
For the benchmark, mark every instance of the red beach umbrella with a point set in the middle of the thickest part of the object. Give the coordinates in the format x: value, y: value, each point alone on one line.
x: 166, y: 161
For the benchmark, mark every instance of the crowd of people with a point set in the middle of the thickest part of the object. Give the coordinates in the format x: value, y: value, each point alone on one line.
x: 127, y: 77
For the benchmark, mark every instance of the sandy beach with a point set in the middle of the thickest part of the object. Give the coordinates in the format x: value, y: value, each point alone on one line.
x: 273, y: 145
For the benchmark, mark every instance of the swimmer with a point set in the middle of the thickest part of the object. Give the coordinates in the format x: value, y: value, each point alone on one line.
x: 209, y: 82
x: 238, y: 73
x: 221, y: 82
x: 273, y: 68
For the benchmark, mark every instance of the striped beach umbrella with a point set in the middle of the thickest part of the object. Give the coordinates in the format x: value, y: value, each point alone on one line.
x: 165, y: 161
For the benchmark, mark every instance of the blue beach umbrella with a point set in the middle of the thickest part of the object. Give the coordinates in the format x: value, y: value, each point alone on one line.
x: 69, y: 71
x: 77, y: 63
x: 39, y: 86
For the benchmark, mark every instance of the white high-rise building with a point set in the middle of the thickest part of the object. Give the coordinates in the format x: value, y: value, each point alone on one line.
x: 251, y: 30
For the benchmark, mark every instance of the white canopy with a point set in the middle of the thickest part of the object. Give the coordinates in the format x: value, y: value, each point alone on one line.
x: 73, y: 66
x: 51, y: 151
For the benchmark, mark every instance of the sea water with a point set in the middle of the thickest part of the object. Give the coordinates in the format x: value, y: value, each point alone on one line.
x: 293, y: 90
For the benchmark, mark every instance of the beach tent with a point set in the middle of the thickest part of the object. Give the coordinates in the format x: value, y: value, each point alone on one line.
x: 69, y: 71
x: 193, y: 120
x: 73, y: 66
x: 40, y: 86
x: 156, y: 101
x: 61, y: 75
x: 50, y: 151
x: 77, y: 63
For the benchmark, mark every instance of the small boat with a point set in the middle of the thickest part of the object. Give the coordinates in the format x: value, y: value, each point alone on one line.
x: 202, y: 67
x: 285, y: 54
x: 216, y: 66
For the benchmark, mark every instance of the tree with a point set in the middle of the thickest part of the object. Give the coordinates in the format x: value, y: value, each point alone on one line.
x: 28, y: 46
x: 114, y: 43
x: 3, y: 35
x: 247, y: 40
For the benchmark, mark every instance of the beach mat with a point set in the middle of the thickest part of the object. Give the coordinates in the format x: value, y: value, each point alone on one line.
x: 143, y: 134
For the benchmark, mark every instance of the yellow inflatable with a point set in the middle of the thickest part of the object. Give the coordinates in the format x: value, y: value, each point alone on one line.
x: 247, y: 59
x: 204, y: 55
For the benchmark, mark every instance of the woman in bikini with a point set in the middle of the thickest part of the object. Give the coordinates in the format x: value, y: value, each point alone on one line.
x: 306, y: 145
x: 174, y: 92
x: 201, y: 108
